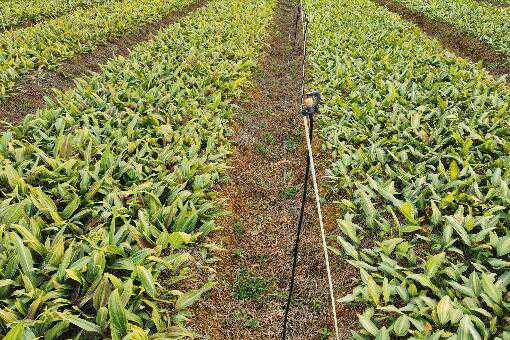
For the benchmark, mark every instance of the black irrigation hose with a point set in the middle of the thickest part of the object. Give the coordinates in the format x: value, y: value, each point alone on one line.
x: 306, y: 176
x: 298, y: 236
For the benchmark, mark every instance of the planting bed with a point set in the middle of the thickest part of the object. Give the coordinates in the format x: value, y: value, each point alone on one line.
x: 103, y: 191
x: 420, y: 167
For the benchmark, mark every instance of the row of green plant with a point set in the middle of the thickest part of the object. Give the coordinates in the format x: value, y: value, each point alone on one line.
x: 45, y: 45
x: 14, y: 13
x: 104, y: 192
x: 480, y: 19
x: 420, y: 170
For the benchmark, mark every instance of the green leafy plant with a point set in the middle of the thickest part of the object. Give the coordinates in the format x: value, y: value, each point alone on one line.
x: 104, y: 191
x: 15, y: 13
x: 419, y: 145
x: 45, y: 45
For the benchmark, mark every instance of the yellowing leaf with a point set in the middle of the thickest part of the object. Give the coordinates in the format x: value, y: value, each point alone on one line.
x: 401, y: 325
x: 454, y: 170
x: 443, y: 309
x: 407, y: 210
x: 433, y: 264
x: 117, y: 313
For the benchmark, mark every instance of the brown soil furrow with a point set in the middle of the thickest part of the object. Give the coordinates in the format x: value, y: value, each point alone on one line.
x: 31, y: 90
x: 259, y: 233
x: 461, y: 43
x: 25, y: 24
x: 496, y: 3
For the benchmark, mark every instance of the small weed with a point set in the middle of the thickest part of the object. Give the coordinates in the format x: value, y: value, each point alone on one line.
x: 278, y: 294
x: 249, y: 287
x: 261, y: 148
x: 269, y: 112
x: 252, y: 323
x: 224, y: 179
x: 316, y: 305
x: 288, y: 193
x: 269, y: 138
x: 288, y: 175
x: 292, y: 142
x: 238, y: 252
x: 324, y: 333
x: 241, y: 316
x: 238, y: 228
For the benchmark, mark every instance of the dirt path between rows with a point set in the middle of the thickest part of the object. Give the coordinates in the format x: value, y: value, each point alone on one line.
x: 462, y: 44
x: 496, y: 3
x: 30, y: 91
x: 263, y: 194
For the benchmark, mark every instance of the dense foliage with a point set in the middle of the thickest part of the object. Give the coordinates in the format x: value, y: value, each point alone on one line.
x: 420, y: 142
x: 490, y: 23
x: 46, y: 44
x: 15, y: 12
x: 103, y: 192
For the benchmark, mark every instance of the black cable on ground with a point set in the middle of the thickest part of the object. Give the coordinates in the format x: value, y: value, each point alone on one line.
x: 306, y: 175
x: 298, y: 236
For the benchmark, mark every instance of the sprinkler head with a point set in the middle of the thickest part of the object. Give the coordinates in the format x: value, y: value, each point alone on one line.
x: 311, y: 103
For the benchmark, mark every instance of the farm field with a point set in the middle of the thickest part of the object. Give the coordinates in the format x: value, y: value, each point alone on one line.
x: 152, y: 158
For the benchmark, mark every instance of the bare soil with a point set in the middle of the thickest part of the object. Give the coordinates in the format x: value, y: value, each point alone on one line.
x: 496, y: 3
x: 259, y: 233
x: 30, y: 91
x: 461, y: 43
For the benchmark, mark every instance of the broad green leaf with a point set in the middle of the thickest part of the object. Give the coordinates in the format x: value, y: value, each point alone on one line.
x: 348, y: 248
x: 79, y: 322
x: 117, y: 313
x: 368, y: 325
x: 503, y: 246
x: 401, y: 325
x: 383, y: 334
x: 459, y: 228
x: 16, y: 332
x: 443, y: 309
x: 145, y: 277
x: 454, y: 170
x: 433, y: 264
x: 373, y: 290
x: 187, y: 299
x: 493, y: 291
x: 467, y: 330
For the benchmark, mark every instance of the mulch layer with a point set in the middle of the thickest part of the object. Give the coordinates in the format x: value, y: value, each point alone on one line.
x: 461, y: 43
x: 263, y: 195
x: 30, y: 91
